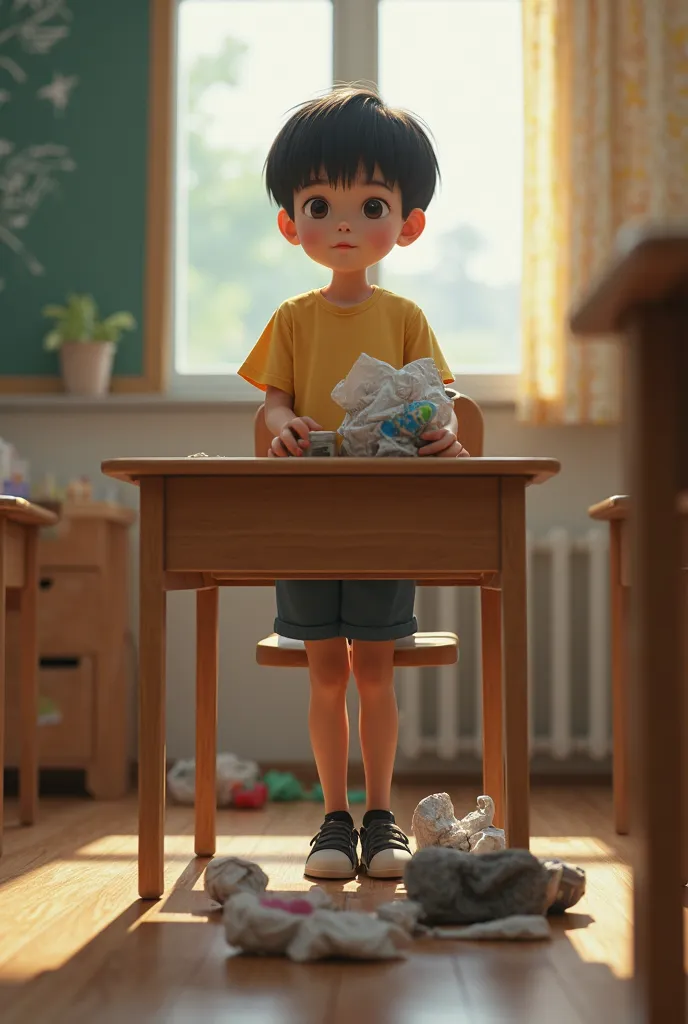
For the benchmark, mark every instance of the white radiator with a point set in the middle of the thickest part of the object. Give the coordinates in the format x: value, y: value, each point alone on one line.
x: 568, y: 659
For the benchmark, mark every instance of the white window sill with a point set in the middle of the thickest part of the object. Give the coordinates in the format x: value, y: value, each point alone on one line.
x: 206, y: 394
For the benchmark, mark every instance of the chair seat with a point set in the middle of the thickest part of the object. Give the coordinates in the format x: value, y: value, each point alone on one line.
x: 412, y: 652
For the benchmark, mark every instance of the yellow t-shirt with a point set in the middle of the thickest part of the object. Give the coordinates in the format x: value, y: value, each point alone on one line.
x: 310, y: 345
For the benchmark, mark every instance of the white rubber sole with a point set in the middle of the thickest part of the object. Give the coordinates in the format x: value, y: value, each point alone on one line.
x: 325, y: 873
x: 389, y: 865
x: 385, y: 876
x: 332, y: 864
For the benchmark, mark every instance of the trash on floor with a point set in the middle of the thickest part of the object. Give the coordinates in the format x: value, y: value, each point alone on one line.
x: 284, y: 786
x: 503, y: 895
x: 303, y: 926
x: 236, y: 779
x: 454, y: 887
x: 435, y: 824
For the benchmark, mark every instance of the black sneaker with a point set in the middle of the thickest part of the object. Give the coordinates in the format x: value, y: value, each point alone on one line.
x: 384, y: 847
x: 334, y: 853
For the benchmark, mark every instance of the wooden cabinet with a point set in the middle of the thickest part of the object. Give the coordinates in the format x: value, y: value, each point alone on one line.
x: 85, y: 672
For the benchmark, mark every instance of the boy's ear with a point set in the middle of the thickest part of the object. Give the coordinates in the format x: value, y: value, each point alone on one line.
x: 413, y: 228
x: 287, y: 227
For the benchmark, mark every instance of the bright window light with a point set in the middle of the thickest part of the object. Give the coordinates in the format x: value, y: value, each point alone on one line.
x: 242, y: 66
x: 457, y: 65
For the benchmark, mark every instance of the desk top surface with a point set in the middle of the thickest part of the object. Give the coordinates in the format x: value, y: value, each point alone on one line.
x: 649, y: 264
x: 535, y: 470
x: 19, y: 510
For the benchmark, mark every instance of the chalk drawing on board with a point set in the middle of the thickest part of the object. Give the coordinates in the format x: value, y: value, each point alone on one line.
x: 59, y: 91
x: 38, y: 25
x: 27, y: 176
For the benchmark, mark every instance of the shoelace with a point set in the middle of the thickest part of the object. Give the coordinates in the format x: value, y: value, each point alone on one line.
x: 382, y: 835
x: 335, y: 835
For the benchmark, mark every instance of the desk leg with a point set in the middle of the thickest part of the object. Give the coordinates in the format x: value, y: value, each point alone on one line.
x: 3, y: 619
x: 493, y: 740
x: 206, y: 719
x: 152, y: 690
x: 515, y: 664
x: 620, y: 640
x: 684, y: 741
x: 28, y: 687
x: 653, y: 425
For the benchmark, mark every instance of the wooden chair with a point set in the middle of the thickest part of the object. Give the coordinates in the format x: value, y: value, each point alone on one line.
x: 432, y: 649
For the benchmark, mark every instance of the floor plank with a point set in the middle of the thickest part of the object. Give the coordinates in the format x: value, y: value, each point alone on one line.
x: 77, y: 945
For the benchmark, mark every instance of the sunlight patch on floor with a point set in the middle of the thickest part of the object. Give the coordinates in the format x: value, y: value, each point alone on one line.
x: 181, y: 844
x: 571, y: 847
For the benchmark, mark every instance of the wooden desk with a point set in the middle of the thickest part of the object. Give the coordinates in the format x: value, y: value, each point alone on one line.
x: 209, y: 522
x: 644, y: 296
x: 85, y: 655
x: 19, y: 525
x: 616, y: 512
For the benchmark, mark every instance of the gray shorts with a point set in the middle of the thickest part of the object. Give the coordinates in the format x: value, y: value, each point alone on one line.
x: 356, y: 609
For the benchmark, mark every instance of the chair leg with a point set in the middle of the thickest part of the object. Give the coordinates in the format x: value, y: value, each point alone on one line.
x: 28, y: 690
x: 206, y: 719
x: 620, y: 713
x: 152, y: 642
x: 493, y: 739
x: 515, y: 665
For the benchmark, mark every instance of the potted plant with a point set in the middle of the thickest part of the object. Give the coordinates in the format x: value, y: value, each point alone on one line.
x: 86, y: 343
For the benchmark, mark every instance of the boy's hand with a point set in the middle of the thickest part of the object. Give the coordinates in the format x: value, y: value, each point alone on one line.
x: 293, y: 437
x: 444, y: 444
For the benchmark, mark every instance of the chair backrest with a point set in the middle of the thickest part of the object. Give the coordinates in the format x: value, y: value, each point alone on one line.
x: 468, y: 415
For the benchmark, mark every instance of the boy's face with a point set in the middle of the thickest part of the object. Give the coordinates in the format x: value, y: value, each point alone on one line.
x: 349, y: 229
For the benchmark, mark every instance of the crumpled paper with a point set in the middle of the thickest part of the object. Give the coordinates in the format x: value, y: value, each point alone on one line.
x: 435, y: 824
x: 388, y: 410
x: 226, y: 876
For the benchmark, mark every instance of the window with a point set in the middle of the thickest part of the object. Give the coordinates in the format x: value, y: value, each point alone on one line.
x: 242, y: 64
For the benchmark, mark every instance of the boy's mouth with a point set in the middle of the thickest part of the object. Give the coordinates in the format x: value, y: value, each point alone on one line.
x: 343, y: 245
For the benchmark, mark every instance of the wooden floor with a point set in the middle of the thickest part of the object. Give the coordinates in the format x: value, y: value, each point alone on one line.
x: 76, y: 945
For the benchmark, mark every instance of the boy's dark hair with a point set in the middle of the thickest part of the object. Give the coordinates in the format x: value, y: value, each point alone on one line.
x: 345, y: 131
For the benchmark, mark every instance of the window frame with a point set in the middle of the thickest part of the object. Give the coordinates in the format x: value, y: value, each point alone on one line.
x: 354, y: 59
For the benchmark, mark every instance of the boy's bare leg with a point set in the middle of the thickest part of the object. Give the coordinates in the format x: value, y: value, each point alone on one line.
x: 384, y: 847
x: 373, y: 667
x: 330, y: 667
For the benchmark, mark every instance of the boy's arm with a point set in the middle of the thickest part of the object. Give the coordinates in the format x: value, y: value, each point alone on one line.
x: 290, y: 432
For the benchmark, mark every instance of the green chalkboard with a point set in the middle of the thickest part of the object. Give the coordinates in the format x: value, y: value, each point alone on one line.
x: 73, y: 150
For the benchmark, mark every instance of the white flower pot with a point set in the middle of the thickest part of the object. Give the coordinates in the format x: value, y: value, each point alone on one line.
x: 87, y: 366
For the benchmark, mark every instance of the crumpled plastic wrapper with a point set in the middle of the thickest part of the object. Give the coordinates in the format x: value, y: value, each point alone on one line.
x: 388, y: 410
x: 230, y: 771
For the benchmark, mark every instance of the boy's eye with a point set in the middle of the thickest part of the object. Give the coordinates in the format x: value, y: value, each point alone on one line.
x: 316, y: 208
x: 374, y: 209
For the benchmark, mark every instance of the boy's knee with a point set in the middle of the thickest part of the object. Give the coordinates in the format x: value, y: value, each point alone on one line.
x: 332, y: 677
x: 373, y: 665
x: 330, y: 669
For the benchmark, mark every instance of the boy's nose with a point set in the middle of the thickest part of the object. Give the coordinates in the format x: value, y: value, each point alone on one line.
x: 343, y: 226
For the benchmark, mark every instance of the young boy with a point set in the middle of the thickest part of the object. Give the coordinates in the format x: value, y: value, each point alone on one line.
x: 352, y: 178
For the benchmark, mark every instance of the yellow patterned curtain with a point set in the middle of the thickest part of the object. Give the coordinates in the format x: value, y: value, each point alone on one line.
x: 606, y: 141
